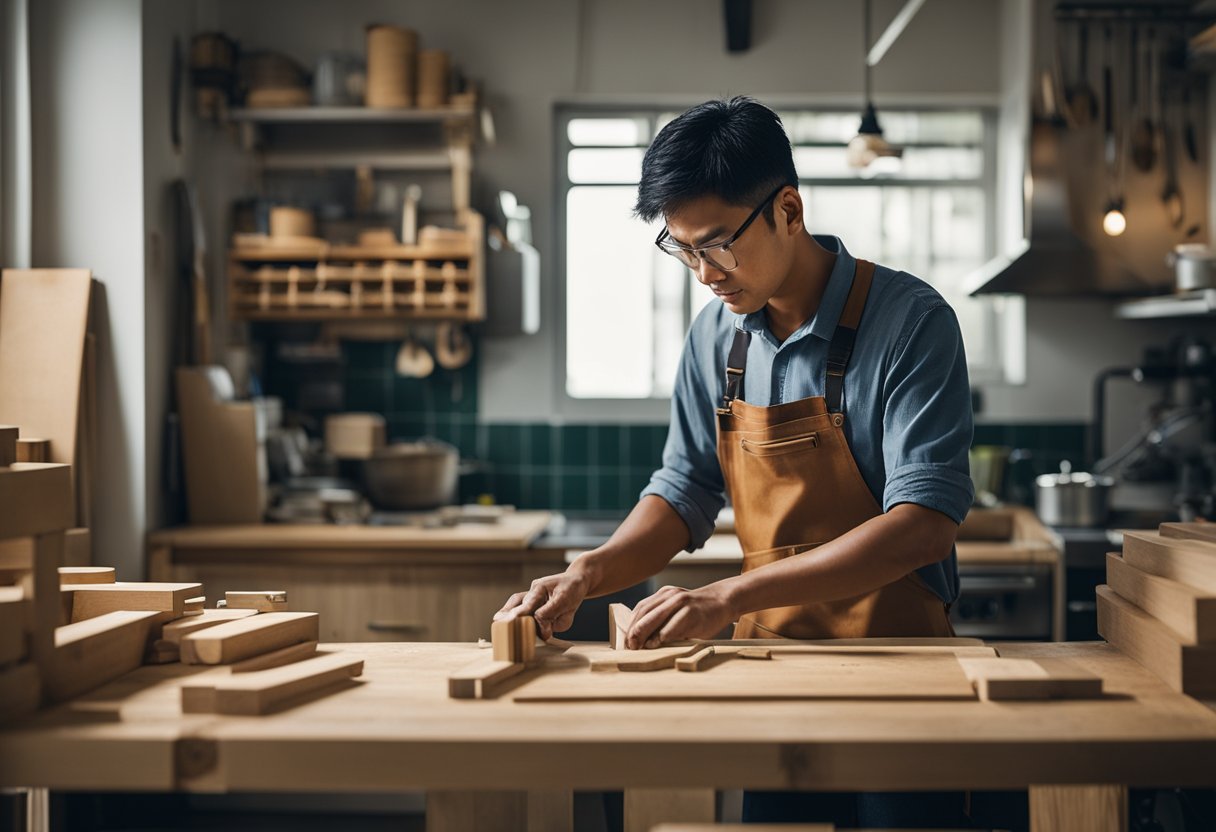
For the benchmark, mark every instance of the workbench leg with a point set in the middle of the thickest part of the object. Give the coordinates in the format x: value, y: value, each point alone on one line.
x: 470, y: 811
x: 647, y: 808
x: 1078, y: 809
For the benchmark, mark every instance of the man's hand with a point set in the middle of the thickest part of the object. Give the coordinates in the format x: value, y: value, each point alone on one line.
x: 675, y: 614
x: 552, y: 601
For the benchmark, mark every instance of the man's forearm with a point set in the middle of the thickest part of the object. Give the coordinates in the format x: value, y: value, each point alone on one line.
x: 645, y: 542
x: 874, y: 554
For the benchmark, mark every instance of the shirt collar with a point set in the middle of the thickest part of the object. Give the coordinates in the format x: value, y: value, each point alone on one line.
x: 823, y: 323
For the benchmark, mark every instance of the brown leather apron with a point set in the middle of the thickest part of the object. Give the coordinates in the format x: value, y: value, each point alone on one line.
x: 795, y: 485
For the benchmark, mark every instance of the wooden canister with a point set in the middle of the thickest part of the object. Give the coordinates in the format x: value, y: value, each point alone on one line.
x: 391, y: 64
x: 286, y: 221
x: 432, y: 78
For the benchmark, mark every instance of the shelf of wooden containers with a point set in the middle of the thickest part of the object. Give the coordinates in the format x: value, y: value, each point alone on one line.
x: 318, y: 282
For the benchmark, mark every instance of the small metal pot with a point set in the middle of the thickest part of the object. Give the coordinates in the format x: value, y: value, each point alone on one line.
x: 413, y: 475
x: 1072, y: 499
x: 1194, y: 267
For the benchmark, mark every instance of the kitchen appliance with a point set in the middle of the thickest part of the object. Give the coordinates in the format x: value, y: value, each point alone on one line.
x: 1072, y: 498
x: 1004, y: 601
x: 413, y: 475
x: 1168, y: 468
x: 1194, y: 267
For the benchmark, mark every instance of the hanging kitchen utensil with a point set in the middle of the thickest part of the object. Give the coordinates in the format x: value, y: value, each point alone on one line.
x: 453, y: 347
x: 413, y: 360
x: 1108, y: 106
x: 1144, y: 154
x: 1171, y: 194
x: 1082, y: 103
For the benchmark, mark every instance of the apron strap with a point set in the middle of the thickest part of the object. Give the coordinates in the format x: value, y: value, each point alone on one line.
x: 736, y: 362
x: 840, y: 350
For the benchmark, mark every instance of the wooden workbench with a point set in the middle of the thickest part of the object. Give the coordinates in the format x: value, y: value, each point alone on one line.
x: 397, y: 729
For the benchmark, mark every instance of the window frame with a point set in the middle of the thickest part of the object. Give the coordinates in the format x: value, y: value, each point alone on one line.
x: 1001, y: 329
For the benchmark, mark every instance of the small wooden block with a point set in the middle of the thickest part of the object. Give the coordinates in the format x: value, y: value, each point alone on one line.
x: 8, y: 445
x: 270, y: 600
x: 14, y: 615
x: 182, y: 627
x: 998, y: 680
x: 92, y: 600
x: 161, y: 651
x: 514, y: 639
x: 250, y: 694
x: 1189, y: 669
x: 76, y: 575
x: 20, y: 691
x: 277, y: 658
x: 33, y: 450
x: 478, y: 679
x: 1186, y: 561
x: 760, y: 653
x: 260, y: 633
x: 35, y: 498
x: 195, y: 604
x: 620, y: 617
x: 697, y: 661
x: 90, y: 653
x: 1188, y: 611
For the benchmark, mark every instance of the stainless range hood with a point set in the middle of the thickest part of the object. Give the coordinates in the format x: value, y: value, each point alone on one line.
x: 1053, y: 260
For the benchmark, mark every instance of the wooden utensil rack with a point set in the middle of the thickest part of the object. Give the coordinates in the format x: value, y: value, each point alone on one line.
x: 312, y: 281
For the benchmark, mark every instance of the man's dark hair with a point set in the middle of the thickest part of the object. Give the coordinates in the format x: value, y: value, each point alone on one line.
x: 735, y: 150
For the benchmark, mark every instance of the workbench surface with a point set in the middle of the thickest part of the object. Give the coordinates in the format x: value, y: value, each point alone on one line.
x: 396, y: 728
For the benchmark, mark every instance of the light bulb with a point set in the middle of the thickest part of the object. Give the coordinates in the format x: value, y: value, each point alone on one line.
x: 1114, y: 222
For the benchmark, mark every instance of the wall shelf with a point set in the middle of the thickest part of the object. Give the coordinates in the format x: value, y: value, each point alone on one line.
x: 351, y: 115
x: 1199, y: 303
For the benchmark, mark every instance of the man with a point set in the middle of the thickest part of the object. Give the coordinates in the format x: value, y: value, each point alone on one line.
x: 827, y: 396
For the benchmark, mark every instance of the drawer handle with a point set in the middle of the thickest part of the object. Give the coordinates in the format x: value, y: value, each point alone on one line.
x: 396, y: 626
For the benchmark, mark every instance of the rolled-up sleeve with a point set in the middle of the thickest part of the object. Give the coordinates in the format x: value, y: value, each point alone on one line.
x: 691, y: 478
x: 927, y: 421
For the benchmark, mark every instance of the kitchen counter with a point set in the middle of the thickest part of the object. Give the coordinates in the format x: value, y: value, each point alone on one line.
x: 397, y: 729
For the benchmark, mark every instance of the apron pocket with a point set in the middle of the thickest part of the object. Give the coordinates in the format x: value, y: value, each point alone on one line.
x: 785, y: 445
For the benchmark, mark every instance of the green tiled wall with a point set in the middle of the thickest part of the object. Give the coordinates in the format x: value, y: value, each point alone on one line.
x: 583, y: 467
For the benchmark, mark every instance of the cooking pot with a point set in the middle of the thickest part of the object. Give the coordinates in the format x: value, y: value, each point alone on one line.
x: 1072, y: 498
x: 413, y: 475
x: 1194, y: 267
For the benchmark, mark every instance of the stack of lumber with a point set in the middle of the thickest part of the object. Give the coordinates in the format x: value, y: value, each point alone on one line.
x: 1159, y: 604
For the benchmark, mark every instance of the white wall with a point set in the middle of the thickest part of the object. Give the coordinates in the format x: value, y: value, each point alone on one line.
x: 88, y: 210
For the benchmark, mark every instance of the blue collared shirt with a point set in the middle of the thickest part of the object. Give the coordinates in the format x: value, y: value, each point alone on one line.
x: 906, y: 395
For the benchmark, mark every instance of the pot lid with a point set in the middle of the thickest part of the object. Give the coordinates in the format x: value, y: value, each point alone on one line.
x: 1069, y: 477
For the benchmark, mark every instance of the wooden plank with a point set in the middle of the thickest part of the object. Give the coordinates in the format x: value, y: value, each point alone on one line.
x: 1189, y: 669
x: 41, y: 588
x: 33, y: 450
x: 160, y: 651
x: 90, y: 653
x: 44, y: 316
x: 266, y: 600
x: 276, y: 658
x: 1078, y: 808
x: 643, y: 661
x: 35, y: 498
x: 823, y: 674
x: 1187, y: 611
x: 8, y: 444
x: 177, y: 630
x: 235, y: 640
x: 91, y: 600
x: 258, y: 692
x: 76, y: 575
x: 477, y: 680
x: 195, y: 605
x: 997, y: 680
x: 1189, y: 531
x: 14, y: 616
x: 1190, y: 562
x: 699, y: 660
x: 20, y: 691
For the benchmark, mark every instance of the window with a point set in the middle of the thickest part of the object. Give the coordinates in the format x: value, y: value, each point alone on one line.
x: 932, y: 217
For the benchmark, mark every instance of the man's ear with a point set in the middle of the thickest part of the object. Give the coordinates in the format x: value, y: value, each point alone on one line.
x: 788, y: 210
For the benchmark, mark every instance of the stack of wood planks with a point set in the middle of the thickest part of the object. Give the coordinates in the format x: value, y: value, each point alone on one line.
x: 1159, y: 604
